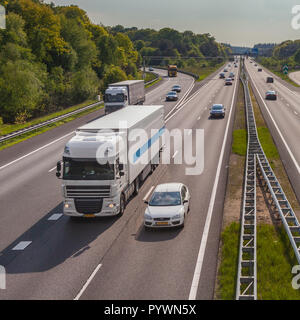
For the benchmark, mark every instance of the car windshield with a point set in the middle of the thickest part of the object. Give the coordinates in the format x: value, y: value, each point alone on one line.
x: 114, y: 97
x: 217, y: 107
x: 87, y: 170
x: 176, y: 87
x: 172, y: 93
x: 162, y: 199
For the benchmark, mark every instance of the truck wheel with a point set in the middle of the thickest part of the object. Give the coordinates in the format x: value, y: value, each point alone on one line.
x: 122, y: 205
x: 136, y: 186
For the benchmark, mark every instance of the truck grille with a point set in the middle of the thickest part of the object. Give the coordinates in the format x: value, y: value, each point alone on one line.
x: 88, y: 206
x: 88, y: 191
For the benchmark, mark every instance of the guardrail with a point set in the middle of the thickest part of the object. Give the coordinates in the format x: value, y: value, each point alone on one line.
x: 179, y: 70
x: 246, y: 288
x: 257, y: 163
x: 66, y: 115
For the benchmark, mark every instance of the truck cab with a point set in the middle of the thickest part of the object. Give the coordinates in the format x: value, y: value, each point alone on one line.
x: 115, y: 98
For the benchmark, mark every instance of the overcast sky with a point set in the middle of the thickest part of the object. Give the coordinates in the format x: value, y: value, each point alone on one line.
x: 238, y: 22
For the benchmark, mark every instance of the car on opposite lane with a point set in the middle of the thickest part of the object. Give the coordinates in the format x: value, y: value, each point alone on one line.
x: 168, y: 206
x: 217, y: 111
x: 259, y: 69
x: 171, y: 96
x: 271, y: 95
x: 176, y: 88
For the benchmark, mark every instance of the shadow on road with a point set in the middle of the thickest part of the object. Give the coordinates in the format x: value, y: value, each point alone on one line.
x: 53, y: 242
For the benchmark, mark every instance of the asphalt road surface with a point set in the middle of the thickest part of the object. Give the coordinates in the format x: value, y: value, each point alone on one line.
x: 115, y: 258
x: 295, y: 76
x: 283, y: 119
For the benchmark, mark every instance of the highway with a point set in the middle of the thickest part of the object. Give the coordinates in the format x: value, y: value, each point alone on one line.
x: 295, y: 76
x: 283, y: 119
x: 114, y: 258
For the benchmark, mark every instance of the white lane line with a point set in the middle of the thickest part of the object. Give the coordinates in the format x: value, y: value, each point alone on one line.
x: 199, y: 118
x: 88, y: 282
x: 55, y: 216
x: 199, y: 263
x: 296, y: 113
x: 35, y: 151
x: 52, y: 169
x: 22, y: 245
x: 174, y: 155
x: 278, y: 130
x: 148, y: 193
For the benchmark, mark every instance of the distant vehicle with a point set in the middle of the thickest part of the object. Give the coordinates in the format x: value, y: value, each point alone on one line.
x: 100, y: 183
x: 259, y: 69
x: 229, y: 65
x: 271, y: 95
x: 172, y: 70
x: 228, y: 82
x: 176, y: 88
x: 235, y: 65
x: 171, y: 96
x: 151, y: 69
x: 121, y: 94
x: 231, y: 75
x: 270, y: 80
x: 250, y: 61
x: 255, y: 65
x: 217, y: 111
x: 168, y: 206
x: 225, y: 70
x: 222, y: 75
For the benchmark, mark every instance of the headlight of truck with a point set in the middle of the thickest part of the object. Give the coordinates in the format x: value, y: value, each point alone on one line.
x: 147, y: 216
x: 68, y: 204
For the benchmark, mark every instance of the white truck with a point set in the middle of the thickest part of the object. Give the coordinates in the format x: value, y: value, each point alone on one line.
x: 108, y: 158
x: 121, y: 94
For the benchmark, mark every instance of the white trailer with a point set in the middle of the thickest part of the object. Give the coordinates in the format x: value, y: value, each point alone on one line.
x: 121, y: 94
x: 107, y: 159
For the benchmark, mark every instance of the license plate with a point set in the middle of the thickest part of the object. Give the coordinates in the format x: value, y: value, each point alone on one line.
x: 162, y: 223
x: 90, y: 215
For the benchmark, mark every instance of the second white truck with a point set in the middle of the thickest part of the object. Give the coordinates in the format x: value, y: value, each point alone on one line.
x: 108, y: 158
x: 121, y: 94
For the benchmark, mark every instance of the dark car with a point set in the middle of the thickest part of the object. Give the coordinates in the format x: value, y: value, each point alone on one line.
x: 228, y: 82
x: 270, y: 80
x: 217, y: 111
x: 222, y: 75
x: 271, y: 95
x: 259, y: 69
x: 176, y: 88
x: 172, y: 96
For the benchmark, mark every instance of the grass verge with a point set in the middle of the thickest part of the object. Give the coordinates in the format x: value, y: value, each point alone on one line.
x: 36, y: 132
x: 203, y: 72
x: 8, y: 128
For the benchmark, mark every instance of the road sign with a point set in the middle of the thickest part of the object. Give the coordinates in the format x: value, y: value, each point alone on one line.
x: 285, y: 69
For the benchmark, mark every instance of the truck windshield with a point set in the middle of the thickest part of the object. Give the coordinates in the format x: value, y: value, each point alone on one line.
x: 114, y: 97
x: 87, y: 170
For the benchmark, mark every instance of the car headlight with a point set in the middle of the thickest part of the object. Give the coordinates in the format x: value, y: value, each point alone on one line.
x: 68, y: 204
x: 177, y: 216
x: 147, y: 216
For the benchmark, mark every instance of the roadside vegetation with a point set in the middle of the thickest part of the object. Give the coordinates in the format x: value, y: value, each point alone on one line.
x: 275, y: 257
x: 285, y: 53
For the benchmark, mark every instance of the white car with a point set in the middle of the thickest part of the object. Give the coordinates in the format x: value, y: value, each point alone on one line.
x: 168, y: 206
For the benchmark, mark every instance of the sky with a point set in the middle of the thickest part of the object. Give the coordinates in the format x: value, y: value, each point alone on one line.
x: 238, y: 22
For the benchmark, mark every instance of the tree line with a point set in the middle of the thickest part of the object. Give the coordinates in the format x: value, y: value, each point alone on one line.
x: 54, y: 56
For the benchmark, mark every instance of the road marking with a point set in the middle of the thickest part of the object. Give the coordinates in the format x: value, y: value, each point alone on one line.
x: 55, y: 216
x: 22, y: 245
x: 199, y: 263
x: 190, y: 132
x: 279, y: 132
x: 296, y: 113
x: 174, y: 155
x: 148, y: 193
x: 88, y: 282
x: 35, y: 151
x: 199, y: 118
x: 52, y: 169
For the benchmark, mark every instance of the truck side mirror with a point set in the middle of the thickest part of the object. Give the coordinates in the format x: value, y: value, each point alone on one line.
x: 121, y: 173
x: 58, y: 169
x: 121, y: 167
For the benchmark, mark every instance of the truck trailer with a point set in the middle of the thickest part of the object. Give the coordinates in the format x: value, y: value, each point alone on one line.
x: 121, y: 94
x: 108, y: 158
